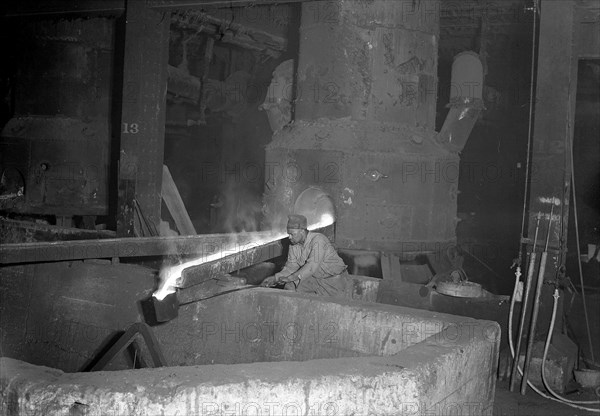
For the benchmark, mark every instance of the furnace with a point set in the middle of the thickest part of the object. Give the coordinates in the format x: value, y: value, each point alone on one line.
x: 364, y: 129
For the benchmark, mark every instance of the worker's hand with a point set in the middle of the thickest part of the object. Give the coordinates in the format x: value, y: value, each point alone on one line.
x: 269, y: 281
x: 288, y: 279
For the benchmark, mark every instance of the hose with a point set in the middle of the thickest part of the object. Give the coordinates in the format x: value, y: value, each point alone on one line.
x: 518, y: 272
x: 526, y: 293
x: 512, y: 351
x: 530, y: 124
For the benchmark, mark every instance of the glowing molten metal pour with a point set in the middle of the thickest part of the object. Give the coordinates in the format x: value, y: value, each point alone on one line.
x: 170, y: 275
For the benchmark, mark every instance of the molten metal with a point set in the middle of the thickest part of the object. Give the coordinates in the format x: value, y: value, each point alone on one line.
x: 170, y: 275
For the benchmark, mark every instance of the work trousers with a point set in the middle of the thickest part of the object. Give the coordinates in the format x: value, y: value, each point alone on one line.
x: 334, y: 286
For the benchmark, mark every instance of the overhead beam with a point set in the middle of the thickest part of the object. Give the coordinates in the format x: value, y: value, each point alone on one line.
x: 19, y: 8
x: 183, y: 4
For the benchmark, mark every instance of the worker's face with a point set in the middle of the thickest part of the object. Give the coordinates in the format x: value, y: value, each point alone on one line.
x: 295, y: 235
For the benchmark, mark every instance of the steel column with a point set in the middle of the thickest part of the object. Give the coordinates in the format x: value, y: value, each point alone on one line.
x: 146, y: 56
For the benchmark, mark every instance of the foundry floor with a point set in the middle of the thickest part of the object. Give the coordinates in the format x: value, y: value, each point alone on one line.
x: 513, y: 404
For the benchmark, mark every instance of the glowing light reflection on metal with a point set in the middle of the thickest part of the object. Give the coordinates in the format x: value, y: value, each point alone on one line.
x: 169, y: 276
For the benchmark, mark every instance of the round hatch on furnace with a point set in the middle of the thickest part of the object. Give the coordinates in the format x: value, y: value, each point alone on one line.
x: 316, y: 206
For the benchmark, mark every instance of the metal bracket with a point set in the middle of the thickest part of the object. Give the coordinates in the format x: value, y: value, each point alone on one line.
x: 126, y: 339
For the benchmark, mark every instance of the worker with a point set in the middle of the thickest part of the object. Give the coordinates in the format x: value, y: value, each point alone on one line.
x: 313, y: 266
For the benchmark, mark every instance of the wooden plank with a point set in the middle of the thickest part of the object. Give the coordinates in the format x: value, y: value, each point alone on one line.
x: 141, y: 153
x: 386, y: 266
x: 175, y: 204
x: 390, y: 266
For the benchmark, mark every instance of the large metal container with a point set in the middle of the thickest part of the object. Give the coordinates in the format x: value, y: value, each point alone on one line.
x: 364, y: 129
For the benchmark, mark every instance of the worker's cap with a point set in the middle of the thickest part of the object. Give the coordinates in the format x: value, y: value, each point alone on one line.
x: 296, y: 222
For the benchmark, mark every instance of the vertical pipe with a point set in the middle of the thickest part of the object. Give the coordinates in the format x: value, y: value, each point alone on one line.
x: 536, y: 306
x: 530, y: 270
